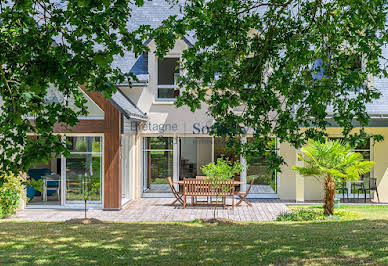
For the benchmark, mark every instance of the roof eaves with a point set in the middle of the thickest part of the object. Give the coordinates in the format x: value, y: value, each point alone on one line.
x: 129, y: 115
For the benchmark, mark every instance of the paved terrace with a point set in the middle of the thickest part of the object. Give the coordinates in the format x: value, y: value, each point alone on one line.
x: 159, y: 210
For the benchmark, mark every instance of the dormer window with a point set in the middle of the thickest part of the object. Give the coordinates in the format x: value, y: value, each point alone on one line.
x: 168, y: 74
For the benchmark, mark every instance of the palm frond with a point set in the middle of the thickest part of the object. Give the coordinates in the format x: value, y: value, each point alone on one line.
x: 332, y: 157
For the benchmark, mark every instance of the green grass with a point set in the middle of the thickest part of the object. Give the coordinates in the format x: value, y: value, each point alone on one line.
x: 361, y: 241
x: 364, y: 211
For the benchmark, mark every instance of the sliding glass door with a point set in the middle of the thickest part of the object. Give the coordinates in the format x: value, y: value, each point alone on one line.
x: 84, y: 168
x: 158, y: 164
x: 193, y: 154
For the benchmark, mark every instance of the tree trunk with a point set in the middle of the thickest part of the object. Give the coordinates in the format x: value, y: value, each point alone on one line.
x: 328, y: 201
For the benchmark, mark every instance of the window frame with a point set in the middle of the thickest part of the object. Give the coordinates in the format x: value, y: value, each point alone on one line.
x: 167, y: 86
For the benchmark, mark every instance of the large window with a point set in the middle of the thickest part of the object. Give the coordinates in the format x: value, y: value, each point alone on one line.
x: 259, y: 170
x: 84, y: 168
x: 158, y: 164
x: 194, y: 153
x: 168, y: 73
x: 191, y: 154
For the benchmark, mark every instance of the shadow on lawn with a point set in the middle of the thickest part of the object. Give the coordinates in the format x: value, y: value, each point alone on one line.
x: 358, y: 241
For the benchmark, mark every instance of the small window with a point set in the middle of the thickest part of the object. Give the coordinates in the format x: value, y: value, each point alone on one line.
x: 168, y: 74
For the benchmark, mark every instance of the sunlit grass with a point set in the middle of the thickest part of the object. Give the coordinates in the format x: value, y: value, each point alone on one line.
x: 364, y: 211
x: 362, y: 240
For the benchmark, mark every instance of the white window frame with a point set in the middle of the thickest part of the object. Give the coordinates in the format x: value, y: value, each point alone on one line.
x: 173, y: 86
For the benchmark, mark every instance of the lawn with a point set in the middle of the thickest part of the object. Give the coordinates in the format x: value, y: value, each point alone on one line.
x: 361, y: 241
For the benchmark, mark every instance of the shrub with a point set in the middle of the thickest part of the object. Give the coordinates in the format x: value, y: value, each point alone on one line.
x: 11, y: 193
x: 301, y: 214
x: 307, y: 214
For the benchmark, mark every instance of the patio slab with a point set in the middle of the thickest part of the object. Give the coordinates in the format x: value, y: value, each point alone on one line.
x: 159, y: 210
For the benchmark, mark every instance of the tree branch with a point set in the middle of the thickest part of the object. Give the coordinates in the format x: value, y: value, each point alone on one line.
x: 8, y: 87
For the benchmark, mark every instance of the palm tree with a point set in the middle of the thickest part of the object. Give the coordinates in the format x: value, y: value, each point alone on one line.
x: 335, y: 161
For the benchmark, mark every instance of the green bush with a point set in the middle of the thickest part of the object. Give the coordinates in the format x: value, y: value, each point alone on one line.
x: 11, y: 193
x: 308, y: 214
x: 301, y: 214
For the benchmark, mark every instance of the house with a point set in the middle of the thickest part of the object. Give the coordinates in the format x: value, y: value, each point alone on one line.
x: 131, y: 143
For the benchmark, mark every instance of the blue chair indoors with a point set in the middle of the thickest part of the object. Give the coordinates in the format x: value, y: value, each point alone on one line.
x: 37, y: 174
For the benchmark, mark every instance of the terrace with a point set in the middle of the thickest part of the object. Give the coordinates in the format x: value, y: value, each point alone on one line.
x: 159, y: 210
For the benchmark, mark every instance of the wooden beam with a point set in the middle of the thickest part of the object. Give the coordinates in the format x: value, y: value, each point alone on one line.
x: 83, y: 126
x: 112, y: 158
x: 96, y: 97
x: 112, y: 150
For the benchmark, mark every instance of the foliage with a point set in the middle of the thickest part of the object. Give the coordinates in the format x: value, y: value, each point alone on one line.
x: 223, y: 170
x: 11, y: 193
x: 280, y: 64
x: 219, y: 173
x: 48, y: 49
x: 307, y: 214
x: 335, y: 161
x: 36, y: 184
x: 334, y: 158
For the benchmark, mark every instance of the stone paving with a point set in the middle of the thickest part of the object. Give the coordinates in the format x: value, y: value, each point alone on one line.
x: 159, y: 209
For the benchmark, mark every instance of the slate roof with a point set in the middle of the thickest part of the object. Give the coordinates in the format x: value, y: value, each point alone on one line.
x: 152, y: 13
x: 127, y: 107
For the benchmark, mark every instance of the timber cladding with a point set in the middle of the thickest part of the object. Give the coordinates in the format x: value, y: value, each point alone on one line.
x: 83, y: 126
x: 112, y: 151
x: 112, y: 157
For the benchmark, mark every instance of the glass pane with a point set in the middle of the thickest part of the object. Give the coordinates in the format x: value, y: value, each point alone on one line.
x: 364, y: 146
x: 85, y: 144
x: 167, y: 68
x: 271, y: 144
x: 50, y: 171
x: 221, y: 151
x: 365, y: 155
x: 83, y: 171
x: 194, y: 153
x: 258, y: 169
x: 159, y: 143
x: 158, y: 166
x: 264, y: 181
x: 166, y: 93
x: 204, y: 153
x: 187, y: 157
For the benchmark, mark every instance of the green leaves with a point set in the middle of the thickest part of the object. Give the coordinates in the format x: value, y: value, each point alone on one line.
x: 61, y: 46
x: 223, y: 170
x: 254, y: 64
x: 332, y: 158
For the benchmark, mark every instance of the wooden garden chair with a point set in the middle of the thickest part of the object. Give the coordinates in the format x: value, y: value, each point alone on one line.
x: 201, y: 177
x: 177, y: 195
x: 243, y: 195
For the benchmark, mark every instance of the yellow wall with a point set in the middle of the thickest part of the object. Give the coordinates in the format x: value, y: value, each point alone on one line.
x: 287, y: 177
x: 313, y: 188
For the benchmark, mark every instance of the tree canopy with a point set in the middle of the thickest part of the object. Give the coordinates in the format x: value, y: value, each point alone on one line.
x: 280, y: 67
x: 273, y: 66
x: 62, y: 45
